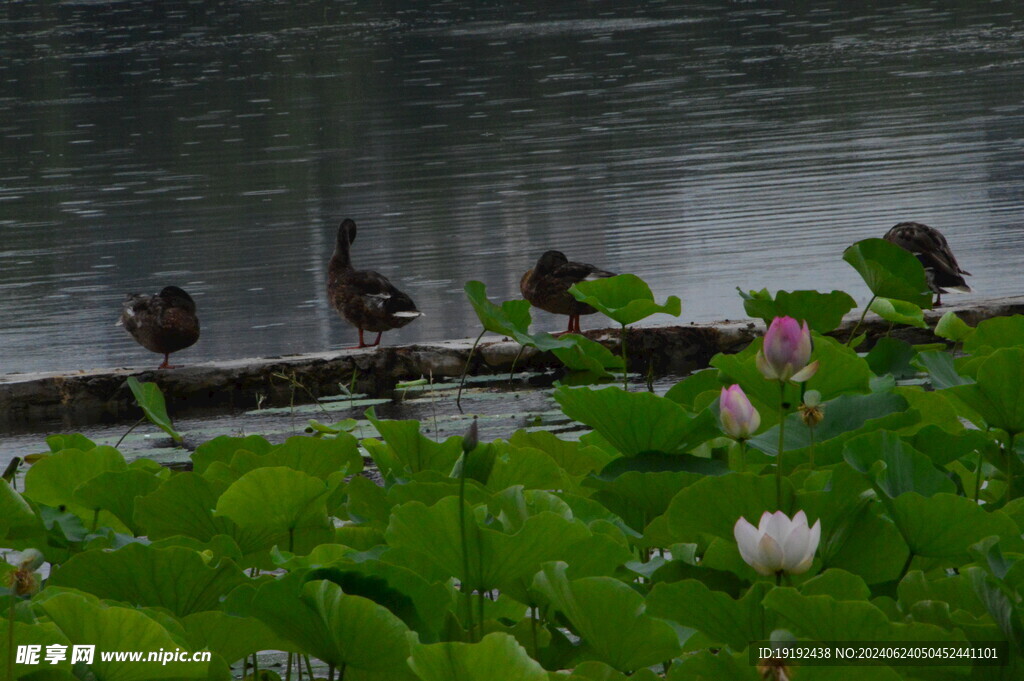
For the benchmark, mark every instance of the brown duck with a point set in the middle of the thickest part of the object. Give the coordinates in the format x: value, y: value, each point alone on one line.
x: 163, y: 323
x: 547, y: 286
x: 365, y: 299
x: 932, y: 250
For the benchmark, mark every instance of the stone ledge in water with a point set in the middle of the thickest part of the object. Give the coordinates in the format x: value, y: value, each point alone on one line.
x: 100, y: 395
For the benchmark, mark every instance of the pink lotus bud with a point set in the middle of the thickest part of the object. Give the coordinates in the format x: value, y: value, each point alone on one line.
x: 739, y: 418
x: 786, y: 351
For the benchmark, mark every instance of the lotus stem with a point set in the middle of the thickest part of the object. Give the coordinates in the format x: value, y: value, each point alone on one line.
x: 1011, y: 454
x: 742, y: 463
x: 782, y: 445
x: 465, y: 544
x: 118, y: 444
x: 811, y: 453
x: 977, y: 477
x: 853, y: 334
x: 10, y: 638
x: 465, y: 370
x: 288, y: 670
x: 533, y: 629
x: 625, y: 360
x: 512, y: 371
x: 906, y: 566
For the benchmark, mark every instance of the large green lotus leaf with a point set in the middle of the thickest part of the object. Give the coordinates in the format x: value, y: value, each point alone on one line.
x: 223, y: 448
x: 935, y: 408
x: 845, y: 417
x: 575, y: 457
x: 387, y: 584
x: 637, y: 422
x: 899, y: 312
x: 892, y: 356
x: 610, y: 617
x: 87, y: 622
x: 496, y: 559
x: 276, y: 498
x: 497, y: 657
x: 687, y: 391
x: 338, y: 628
x: 599, y: 671
x: 69, y: 441
x: 854, y: 535
x: 232, y: 637
x: 429, y: 493
x: 183, y: 506
x: 839, y: 584
x: 998, y: 396
x: 718, y: 666
x: 823, y: 618
x: 944, y: 447
x: 638, y: 498
x: 583, y: 354
x: 823, y: 312
x: 599, y: 555
x: 952, y: 328
x: 895, y: 466
x: 116, y: 491
x: 946, y: 525
x: 40, y: 634
x: 14, y: 510
x: 942, y: 372
x: 995, y: 333
x: 956, y: 590
x: 412, y: 450
x: 54, y: 479
x: 711, y: 507
x: 512, y: 318
x: 367, y: 503
x: 177, y: 579
x: 513, y: 506
x: 719, y: 617
x: 889, y: 271
x: 151, y: 400
x: 319, y: 457
x: 626, y: 298
x: 528, y: 467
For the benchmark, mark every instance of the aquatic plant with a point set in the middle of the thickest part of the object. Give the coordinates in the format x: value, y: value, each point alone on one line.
x: 625, y: 552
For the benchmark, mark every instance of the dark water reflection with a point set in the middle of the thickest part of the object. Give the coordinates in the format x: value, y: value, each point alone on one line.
x: 702, y: 146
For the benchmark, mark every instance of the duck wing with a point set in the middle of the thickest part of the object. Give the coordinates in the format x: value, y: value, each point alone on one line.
x: 578, y: 271
x: 934, y: 253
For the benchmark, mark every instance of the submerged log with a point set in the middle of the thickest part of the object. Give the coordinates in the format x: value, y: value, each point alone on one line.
x: 101, y: 395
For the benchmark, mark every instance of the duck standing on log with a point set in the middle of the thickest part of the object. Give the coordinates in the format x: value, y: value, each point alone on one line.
x: 163, y: 323
x: 547, y: 286
x: 366, y: 299
x: 932, y: 250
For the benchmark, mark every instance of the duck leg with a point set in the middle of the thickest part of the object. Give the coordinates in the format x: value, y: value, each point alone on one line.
x: 166, y: 364
x: 362, y: 343
x: 377, y: 342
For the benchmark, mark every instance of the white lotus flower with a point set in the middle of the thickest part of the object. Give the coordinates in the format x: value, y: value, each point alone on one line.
x: 778, y: 544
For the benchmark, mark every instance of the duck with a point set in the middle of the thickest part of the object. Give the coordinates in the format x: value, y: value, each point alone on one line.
x: 932, y: 250
x: 365, y: 299
x: 547, y: 284
x: 163, y: 323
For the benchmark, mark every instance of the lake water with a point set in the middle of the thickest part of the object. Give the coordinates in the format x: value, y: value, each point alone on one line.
x: 702, y: 146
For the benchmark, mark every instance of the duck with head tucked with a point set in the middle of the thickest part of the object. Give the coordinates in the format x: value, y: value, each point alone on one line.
x: 932, y: 250
x: 547, y: 286
x: 366, y: 299
x: 163, y: 323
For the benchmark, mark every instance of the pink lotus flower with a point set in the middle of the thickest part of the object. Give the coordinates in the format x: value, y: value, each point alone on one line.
x: 739, y: 418
x: 786, y: 351
x: 778, y: 544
